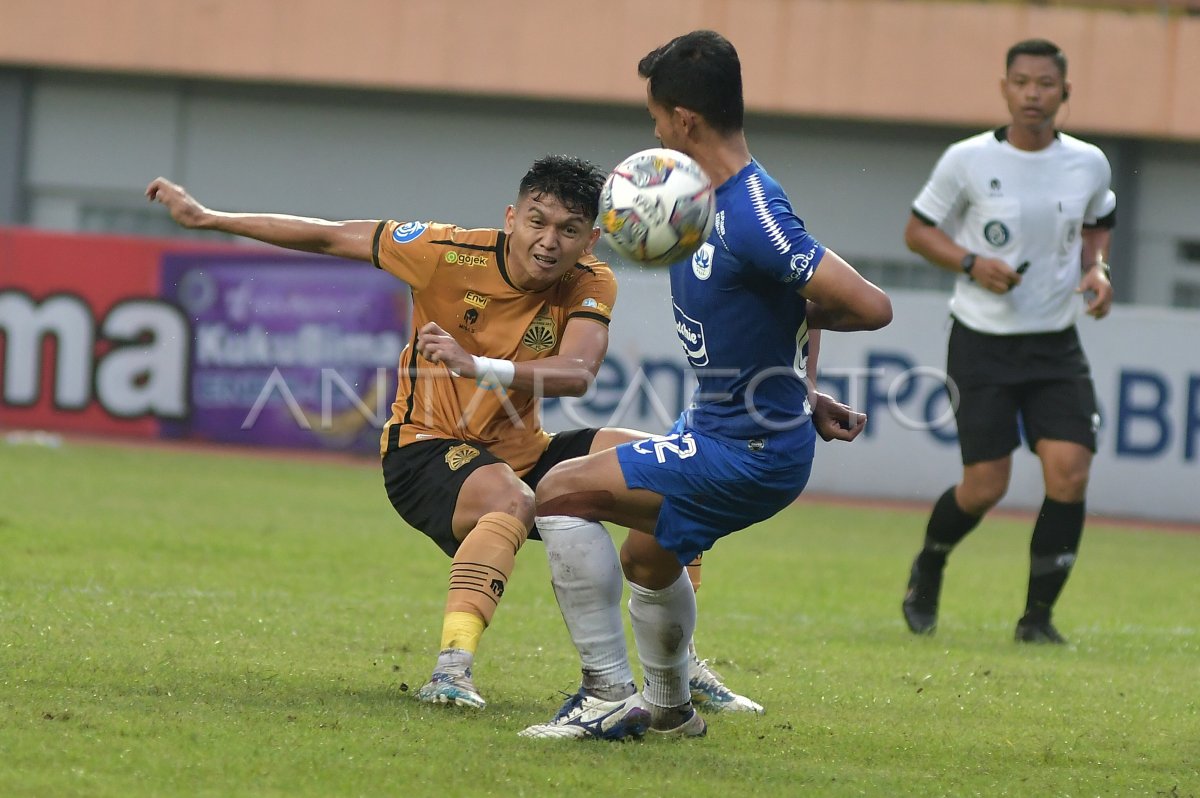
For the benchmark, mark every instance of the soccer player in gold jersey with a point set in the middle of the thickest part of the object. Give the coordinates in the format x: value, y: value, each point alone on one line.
x: 502, y: 317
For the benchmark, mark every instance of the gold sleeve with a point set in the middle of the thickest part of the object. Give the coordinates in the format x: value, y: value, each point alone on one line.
x: 593, y: 294
x: 408, y: 250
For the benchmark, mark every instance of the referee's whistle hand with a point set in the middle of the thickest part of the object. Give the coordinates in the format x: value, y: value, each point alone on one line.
x: 1099, y: 293
x: 995, y: 275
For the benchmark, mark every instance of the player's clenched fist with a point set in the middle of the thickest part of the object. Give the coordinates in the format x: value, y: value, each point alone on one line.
x: 438, y: 346
x: 183, y: 207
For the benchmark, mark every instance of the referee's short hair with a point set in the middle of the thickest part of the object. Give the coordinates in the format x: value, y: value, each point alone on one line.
x: 1042, y: 47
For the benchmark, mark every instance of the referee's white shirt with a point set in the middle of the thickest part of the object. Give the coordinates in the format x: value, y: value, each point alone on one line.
x: 1002, y: 202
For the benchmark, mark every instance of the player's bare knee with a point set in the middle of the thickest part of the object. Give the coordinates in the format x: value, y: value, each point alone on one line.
x: 550, y: 488
x: 633, y: 570
x: 976, y: 497
x: 644, y: 562
x: 558, y: 493
x: 521, y: 504
x: 1069, y: 487
x: 513, y: 498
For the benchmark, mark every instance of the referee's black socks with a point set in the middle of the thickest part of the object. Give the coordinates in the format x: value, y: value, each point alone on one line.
x: 948, y: 524
x: 1052, y: 551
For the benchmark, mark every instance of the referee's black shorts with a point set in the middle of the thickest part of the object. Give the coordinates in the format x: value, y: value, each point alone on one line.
x: 423, y: 479
x: 1036, y: 382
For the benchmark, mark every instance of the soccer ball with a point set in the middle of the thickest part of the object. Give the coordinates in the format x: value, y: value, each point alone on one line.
x: 657, y: 207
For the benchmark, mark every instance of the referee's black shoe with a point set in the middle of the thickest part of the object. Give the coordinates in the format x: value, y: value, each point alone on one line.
x: 1037, y: 630
x: 920, y: 604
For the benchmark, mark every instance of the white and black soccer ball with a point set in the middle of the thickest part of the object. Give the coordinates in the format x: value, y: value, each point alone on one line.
x: 657, y: 207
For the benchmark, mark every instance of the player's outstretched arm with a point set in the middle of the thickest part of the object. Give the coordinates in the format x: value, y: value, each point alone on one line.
x: 351, y: 239
x: 839, y: 298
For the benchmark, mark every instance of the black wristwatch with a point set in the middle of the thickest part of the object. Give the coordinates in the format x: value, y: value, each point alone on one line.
x: 968, y: 263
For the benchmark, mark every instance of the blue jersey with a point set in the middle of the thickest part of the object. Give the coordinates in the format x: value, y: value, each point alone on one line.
x: 739, y: 316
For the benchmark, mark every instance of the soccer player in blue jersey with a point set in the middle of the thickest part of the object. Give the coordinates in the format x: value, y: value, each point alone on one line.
x: 744, y: 306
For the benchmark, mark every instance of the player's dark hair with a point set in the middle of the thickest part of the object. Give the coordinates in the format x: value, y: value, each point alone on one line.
x: 1041, y: 47
x: 699, y: 71
x: 574, y: 182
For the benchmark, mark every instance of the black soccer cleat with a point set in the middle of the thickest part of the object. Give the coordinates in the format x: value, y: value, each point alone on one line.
x: 1038, y: 631
x: 920, y: 604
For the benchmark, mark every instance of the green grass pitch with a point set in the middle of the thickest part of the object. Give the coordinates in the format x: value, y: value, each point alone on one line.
x: 199, y: 623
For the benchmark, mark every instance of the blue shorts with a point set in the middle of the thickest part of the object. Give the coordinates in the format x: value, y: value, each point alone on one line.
x: 712, y: 487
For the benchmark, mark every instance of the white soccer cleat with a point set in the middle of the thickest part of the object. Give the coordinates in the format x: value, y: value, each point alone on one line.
x: 694, y: 726
x: 710, y: 693
x: 584, y: 717
x: 451, y: 688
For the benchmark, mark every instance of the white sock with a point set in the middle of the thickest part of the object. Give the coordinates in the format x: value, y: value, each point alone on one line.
x: 454, y: 660
x: 587, y: 580
x: 663, y: 623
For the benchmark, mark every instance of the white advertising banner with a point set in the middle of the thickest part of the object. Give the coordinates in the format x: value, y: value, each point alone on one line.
x: 1145, y: 363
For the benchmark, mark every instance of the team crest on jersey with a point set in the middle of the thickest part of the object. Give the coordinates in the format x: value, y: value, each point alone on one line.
x: 408, y: 232
x: 691, y: 335
x: 459, y: 456
x: 702, y: 261
x: 541, y: 334
x: 996, y: 233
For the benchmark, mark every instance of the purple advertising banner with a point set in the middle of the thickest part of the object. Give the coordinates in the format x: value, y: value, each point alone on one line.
x: 288, y: 350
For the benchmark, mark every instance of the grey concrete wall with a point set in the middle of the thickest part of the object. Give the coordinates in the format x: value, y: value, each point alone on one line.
x: 94, y: 142
x: 15, y: 92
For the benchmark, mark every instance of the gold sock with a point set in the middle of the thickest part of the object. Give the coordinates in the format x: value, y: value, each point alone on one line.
x: 478, y: 576
x: 462, y: 630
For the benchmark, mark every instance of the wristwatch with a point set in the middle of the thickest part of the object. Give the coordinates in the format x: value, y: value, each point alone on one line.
x: 1104, y: 268
x: 968, y: 263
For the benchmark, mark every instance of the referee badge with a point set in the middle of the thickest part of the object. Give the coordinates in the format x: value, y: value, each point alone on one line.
x: 996, y: 233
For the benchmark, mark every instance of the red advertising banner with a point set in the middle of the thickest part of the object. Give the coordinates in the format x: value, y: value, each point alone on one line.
x: 86, y: 344
x: 157, y: 338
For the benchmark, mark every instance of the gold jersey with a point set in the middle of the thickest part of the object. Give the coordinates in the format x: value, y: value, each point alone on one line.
x: 459, y: 280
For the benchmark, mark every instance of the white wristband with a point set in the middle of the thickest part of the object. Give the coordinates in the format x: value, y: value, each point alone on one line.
x: 492, y: 372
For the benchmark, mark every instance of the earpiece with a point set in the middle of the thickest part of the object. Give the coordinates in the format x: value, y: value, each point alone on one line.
x: 1066, y: 94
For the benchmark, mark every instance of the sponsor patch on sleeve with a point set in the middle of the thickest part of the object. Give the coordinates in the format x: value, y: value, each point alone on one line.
x: 408, y: 231
x: 597, y: 304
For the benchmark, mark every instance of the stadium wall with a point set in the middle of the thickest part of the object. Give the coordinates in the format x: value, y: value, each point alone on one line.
x: 912, y: 61
x: 93, y: 142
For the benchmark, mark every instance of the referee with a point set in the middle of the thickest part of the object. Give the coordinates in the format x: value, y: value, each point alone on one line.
x: 1023, y: 214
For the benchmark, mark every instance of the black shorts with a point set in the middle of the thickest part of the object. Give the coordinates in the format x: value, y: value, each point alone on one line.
x: 1039, y: 382
x: 423, y: 479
